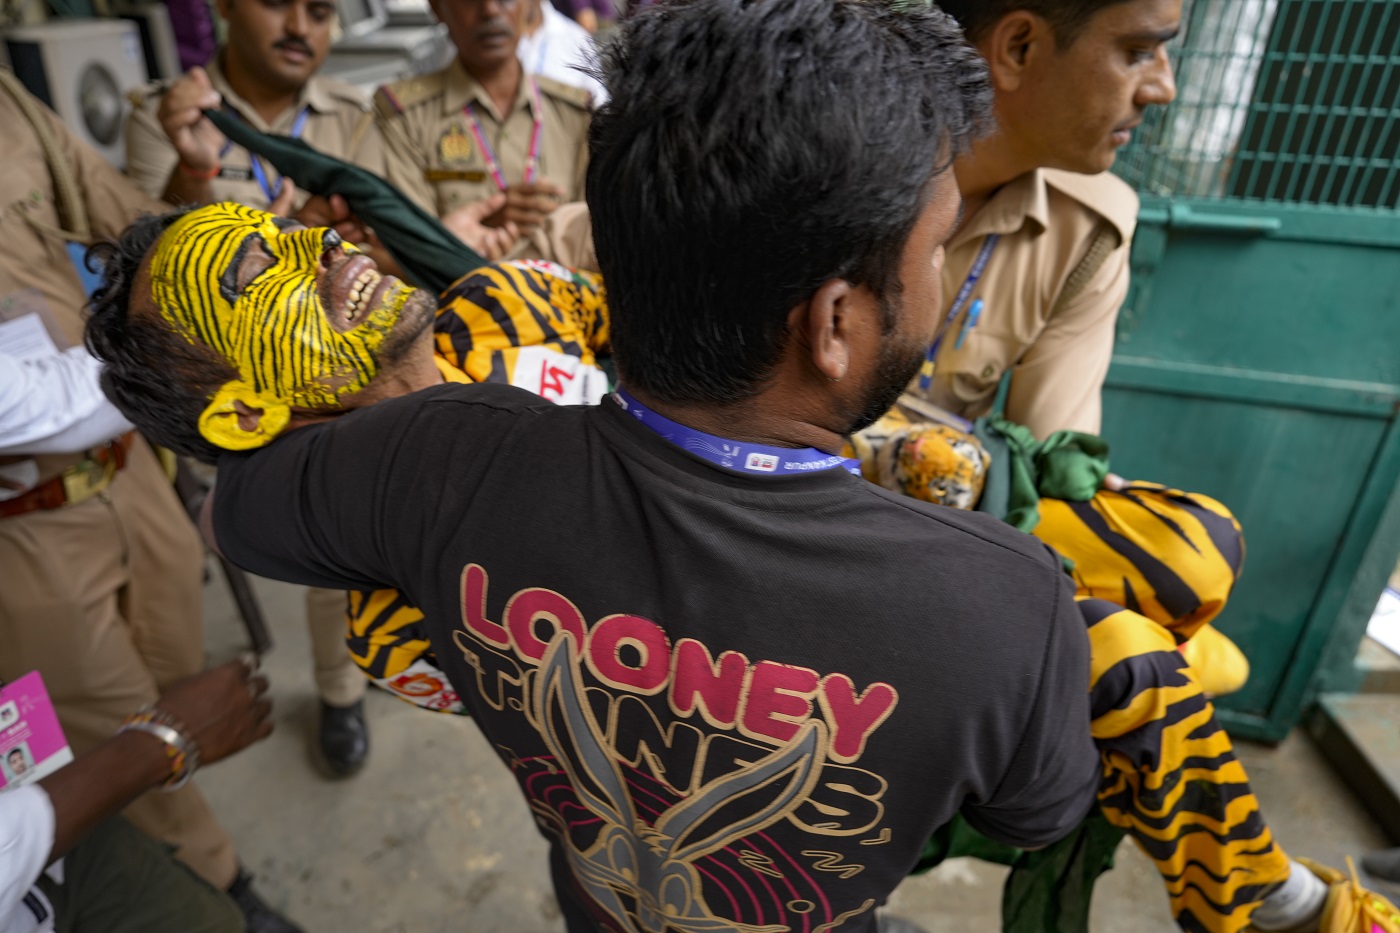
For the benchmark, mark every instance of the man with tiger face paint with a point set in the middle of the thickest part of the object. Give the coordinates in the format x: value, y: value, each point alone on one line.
x: 303, y: 318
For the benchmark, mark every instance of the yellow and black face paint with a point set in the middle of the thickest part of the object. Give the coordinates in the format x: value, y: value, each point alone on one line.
x: 238, y: 281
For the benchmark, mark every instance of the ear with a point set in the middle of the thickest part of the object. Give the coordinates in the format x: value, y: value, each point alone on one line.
x: 1014, y: 45
x: 239, y: 418
x: 827, y: 321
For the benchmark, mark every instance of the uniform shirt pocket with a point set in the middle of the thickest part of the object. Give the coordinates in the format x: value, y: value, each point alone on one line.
x: 970, y: 374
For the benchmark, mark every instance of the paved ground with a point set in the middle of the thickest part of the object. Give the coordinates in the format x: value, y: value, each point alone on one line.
x: 432, y: 835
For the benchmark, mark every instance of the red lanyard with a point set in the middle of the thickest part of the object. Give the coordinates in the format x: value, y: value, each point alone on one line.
x: 532, y: 156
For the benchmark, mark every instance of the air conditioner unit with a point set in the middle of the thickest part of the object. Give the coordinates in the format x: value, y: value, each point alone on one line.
x: 158, y: 43
x: 82, y: 69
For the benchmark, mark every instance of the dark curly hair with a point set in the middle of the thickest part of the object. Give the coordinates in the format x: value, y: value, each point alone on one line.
x: 160, y: 381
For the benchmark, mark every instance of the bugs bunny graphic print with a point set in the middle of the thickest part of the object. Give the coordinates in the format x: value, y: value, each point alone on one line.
x: 671, y: 825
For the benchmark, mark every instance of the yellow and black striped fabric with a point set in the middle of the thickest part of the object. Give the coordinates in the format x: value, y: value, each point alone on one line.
x: 495, y: 317
x: 386, y: 633
x: 1171, y: 555
x: 1170, y: 776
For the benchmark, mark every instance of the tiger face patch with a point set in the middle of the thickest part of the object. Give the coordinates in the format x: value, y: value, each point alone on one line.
x: 252, y: 287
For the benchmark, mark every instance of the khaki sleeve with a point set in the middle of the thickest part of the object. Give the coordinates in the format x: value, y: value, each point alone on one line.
x: 367, y: 145
x: 113, y: 202
x: 150, y: 157
x: 404, y: 164
x: 581, y: 174
x: 565, y: 237
x: 1058, y: 383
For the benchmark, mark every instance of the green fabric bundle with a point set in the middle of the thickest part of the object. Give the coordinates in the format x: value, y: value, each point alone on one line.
x: 1066, y: 465
x: 430, y: 255
x: 1049, y: 889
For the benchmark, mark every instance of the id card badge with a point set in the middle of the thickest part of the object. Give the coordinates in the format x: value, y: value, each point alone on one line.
x: 32, y: 744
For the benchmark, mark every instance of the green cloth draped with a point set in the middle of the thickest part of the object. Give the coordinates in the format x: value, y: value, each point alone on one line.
x: 1049, y: 890
x: 1066, y: 465
x: 429, y: 254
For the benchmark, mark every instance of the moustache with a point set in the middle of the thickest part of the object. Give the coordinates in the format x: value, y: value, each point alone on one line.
x: 492, y: 29
x: 293, y: 44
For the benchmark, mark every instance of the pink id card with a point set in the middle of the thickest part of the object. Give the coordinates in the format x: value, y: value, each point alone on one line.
x: 32, y: 744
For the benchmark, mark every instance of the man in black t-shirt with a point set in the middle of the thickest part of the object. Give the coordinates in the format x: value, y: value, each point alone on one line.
x: 726, y: 704
x: 738, y: 686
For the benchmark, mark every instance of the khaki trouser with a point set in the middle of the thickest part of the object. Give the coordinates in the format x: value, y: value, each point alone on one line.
x: 338, y: 681
x: 103, y: 599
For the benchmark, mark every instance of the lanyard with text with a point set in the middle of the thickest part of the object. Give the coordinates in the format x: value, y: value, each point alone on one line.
x: 255, y: 163
x: 735, y: 455
x: 532, y: 156
x: 979, y: 265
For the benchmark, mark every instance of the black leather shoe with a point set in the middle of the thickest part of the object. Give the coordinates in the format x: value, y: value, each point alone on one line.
x: 343, y: 738
x: 258, y: 917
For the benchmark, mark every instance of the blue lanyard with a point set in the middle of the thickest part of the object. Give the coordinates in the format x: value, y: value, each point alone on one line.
x: 735, y: 455
x: 979, y: 265
x: 255, y: 161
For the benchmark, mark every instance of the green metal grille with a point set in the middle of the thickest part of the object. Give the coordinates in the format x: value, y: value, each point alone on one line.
x: 1293, y: 101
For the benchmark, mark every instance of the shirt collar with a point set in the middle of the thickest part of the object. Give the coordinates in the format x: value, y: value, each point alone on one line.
x: 1019, y: 200
x: 463, y: 89
x: 313, y: 94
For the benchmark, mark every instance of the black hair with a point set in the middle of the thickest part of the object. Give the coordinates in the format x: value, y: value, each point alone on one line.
x: 1066, y: 17
x: 157, y: 378
x: 749, y: 152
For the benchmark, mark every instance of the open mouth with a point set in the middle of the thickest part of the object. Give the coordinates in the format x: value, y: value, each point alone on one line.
x: 356, y: 289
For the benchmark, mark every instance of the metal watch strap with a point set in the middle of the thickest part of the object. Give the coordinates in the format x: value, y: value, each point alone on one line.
x: 179, y: 747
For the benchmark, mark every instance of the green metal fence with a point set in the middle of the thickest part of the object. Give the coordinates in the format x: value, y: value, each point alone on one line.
x: 1258, y: 349
x: 1285, y: 101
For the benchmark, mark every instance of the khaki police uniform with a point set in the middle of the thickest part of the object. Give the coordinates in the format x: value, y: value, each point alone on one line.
x: 338, y: 122
x: 102, y: 597
x: 431, y: 155
x: 1058, y: 350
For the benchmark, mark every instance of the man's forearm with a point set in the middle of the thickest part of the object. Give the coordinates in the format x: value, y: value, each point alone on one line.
x: 100, y: 784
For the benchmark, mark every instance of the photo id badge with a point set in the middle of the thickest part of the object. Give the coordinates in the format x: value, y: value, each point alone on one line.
x: 32, y: 744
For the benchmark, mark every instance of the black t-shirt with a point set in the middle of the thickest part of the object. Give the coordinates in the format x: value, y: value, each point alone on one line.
x: 729, y: 699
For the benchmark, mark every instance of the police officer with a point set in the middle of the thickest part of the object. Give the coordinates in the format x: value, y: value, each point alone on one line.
x: 1041, y: 261
x: 100, y: 568
x: 483, y: 125
x: 266, y: 75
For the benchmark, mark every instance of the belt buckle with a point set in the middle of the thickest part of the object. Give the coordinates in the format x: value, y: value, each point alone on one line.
x: 84, y: 480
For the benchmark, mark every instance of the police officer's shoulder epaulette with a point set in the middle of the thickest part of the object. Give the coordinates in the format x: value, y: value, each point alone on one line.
x: 1104, y: 194
x: 393, y: 99
x: 138, y: 96
x: 574, y: 96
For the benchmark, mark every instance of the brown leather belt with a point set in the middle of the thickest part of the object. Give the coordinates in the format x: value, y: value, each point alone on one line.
x: 81, y: 481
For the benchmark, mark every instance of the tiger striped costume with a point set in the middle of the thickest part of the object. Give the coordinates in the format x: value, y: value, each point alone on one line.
x: 1169, y: 776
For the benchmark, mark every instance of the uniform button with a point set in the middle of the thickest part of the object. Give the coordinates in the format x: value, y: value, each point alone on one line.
x: 988, y: 370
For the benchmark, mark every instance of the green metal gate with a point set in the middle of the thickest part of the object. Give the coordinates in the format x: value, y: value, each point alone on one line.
x: 1258, y: 353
